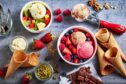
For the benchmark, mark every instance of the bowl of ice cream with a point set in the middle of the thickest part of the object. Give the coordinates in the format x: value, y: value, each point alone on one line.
x: 36, y: 16
x: 77, y: 45
x: 18, y: 43
x: 80, y: 12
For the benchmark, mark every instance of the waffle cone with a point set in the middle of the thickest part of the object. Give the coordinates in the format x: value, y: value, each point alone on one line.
x: 114, y: 57
x: 32, y: 60
x: 18, y: 58
x: 108, y: 41
x: 105, y: 67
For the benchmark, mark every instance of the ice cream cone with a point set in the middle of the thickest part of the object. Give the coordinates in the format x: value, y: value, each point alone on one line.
x: 114, y: 57
x: 105, y: 67
x: 33, y: 60
x: 18, y: 58
x: 108, y: 41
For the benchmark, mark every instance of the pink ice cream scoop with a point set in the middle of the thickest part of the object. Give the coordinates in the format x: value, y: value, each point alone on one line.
x: 84, y: 50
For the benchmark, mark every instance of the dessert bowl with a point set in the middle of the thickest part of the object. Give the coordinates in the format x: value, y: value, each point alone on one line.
x: 78, y: 54
x: 36, y: 16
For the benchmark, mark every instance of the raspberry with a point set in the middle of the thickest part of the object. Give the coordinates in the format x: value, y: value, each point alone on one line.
x: 57, y: 11
x: 58, y: 18
x: 67, y: 12
x: 61, y: 46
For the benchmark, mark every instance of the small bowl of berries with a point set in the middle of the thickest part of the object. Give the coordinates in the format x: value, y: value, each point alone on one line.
x: 77, y: 45
x: 36, y: 16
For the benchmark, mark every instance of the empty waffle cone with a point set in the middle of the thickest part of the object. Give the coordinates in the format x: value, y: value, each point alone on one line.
x: 114, y: 57
x: 107, y: 40
x: 18, y: 58
x: 105, y: 67
x: 32, y: 60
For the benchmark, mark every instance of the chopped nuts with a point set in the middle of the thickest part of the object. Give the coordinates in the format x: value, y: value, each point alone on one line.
x: 106, y: 6
x: 91, y: 2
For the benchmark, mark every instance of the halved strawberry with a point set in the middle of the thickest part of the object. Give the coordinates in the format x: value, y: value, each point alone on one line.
x: 75, y: 30
x: 25, y: 18
x: 48, y: 12
x: 38, y: 44
x: 26, y: 78
x: 61, y: 46
x: 47, y: 38
x: 47, y: 20
x: 72, y: 49
x: 67, y: 51
x: 68, y: 42
x: 63, y: 39
x: 67, y: 57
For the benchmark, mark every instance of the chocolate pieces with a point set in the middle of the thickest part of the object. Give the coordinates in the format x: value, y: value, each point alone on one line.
x: 83, y: 76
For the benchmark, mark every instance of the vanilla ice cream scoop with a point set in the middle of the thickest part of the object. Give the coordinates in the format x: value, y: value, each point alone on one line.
x: 78, y: 37
x: 37, y: 10
x: 80, y: 12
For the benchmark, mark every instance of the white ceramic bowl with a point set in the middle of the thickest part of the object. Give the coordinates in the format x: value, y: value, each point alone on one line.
x: 35, y: 31
x: 83, y: 29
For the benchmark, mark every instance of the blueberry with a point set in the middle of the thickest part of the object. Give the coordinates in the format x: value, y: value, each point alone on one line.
x: 71, y: 31
x: 81, y: 61
x: 75, y: 56
x: 72, y: 60
x: 88, y: 39
x: 72, y: 56
x: 67, y: 34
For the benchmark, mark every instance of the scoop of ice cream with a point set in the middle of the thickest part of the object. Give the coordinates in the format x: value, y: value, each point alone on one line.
x: 80, y: 12
x: 84, y: 50
x: 37, y: 10
x: 78, y: 37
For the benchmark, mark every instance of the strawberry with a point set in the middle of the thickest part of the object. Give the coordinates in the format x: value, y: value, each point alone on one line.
x: 25, y: 18
x: 88, y: 35
x: 57, y: 11
x: 67, y: 12
x: 38, y: 44
x: 48, y: 12
x: 47, y: 38
x: 76, y: 60
x: 47, y: 20
x: 75, y: 30
x: 68, y: 42
x: 67, y: 57
x: 58, y: 18
x: 26, y: 78
x: 61, y: 46
x: 63, y: 39
x: 32, y: 25
x: 2, y: 72
x: 67, y: 51
x: 73, y: 49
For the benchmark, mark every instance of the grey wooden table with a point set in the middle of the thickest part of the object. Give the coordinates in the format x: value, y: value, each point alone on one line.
x: 117, y: 16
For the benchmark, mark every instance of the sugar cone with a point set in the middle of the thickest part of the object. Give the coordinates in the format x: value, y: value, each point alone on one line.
x: 18, y: 58
x: 105, y: 67
x: 114, y: 57
x: 107, y: 40
x: 33, y: 60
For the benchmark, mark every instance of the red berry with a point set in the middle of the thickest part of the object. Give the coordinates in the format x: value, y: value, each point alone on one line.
x: 63, y: 39
x: 67, y: 51
x: 26, y: 78
x: 58, y: 18
x: 48, y: 12
x: 32, y: 25
x: 47, y: 38
x: 30, y: 19
x: 67, y: 12
x: 73, y: 49
x: 38, y: 44
x: 88, y: 35
x: 67, y: 57
x: 2, y: 72
x: 68, y: 42
x: 47, y: 21
x: 75, y: 30
x: 57, y: 11
x: 61, y: 46
x: 76, y: 60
